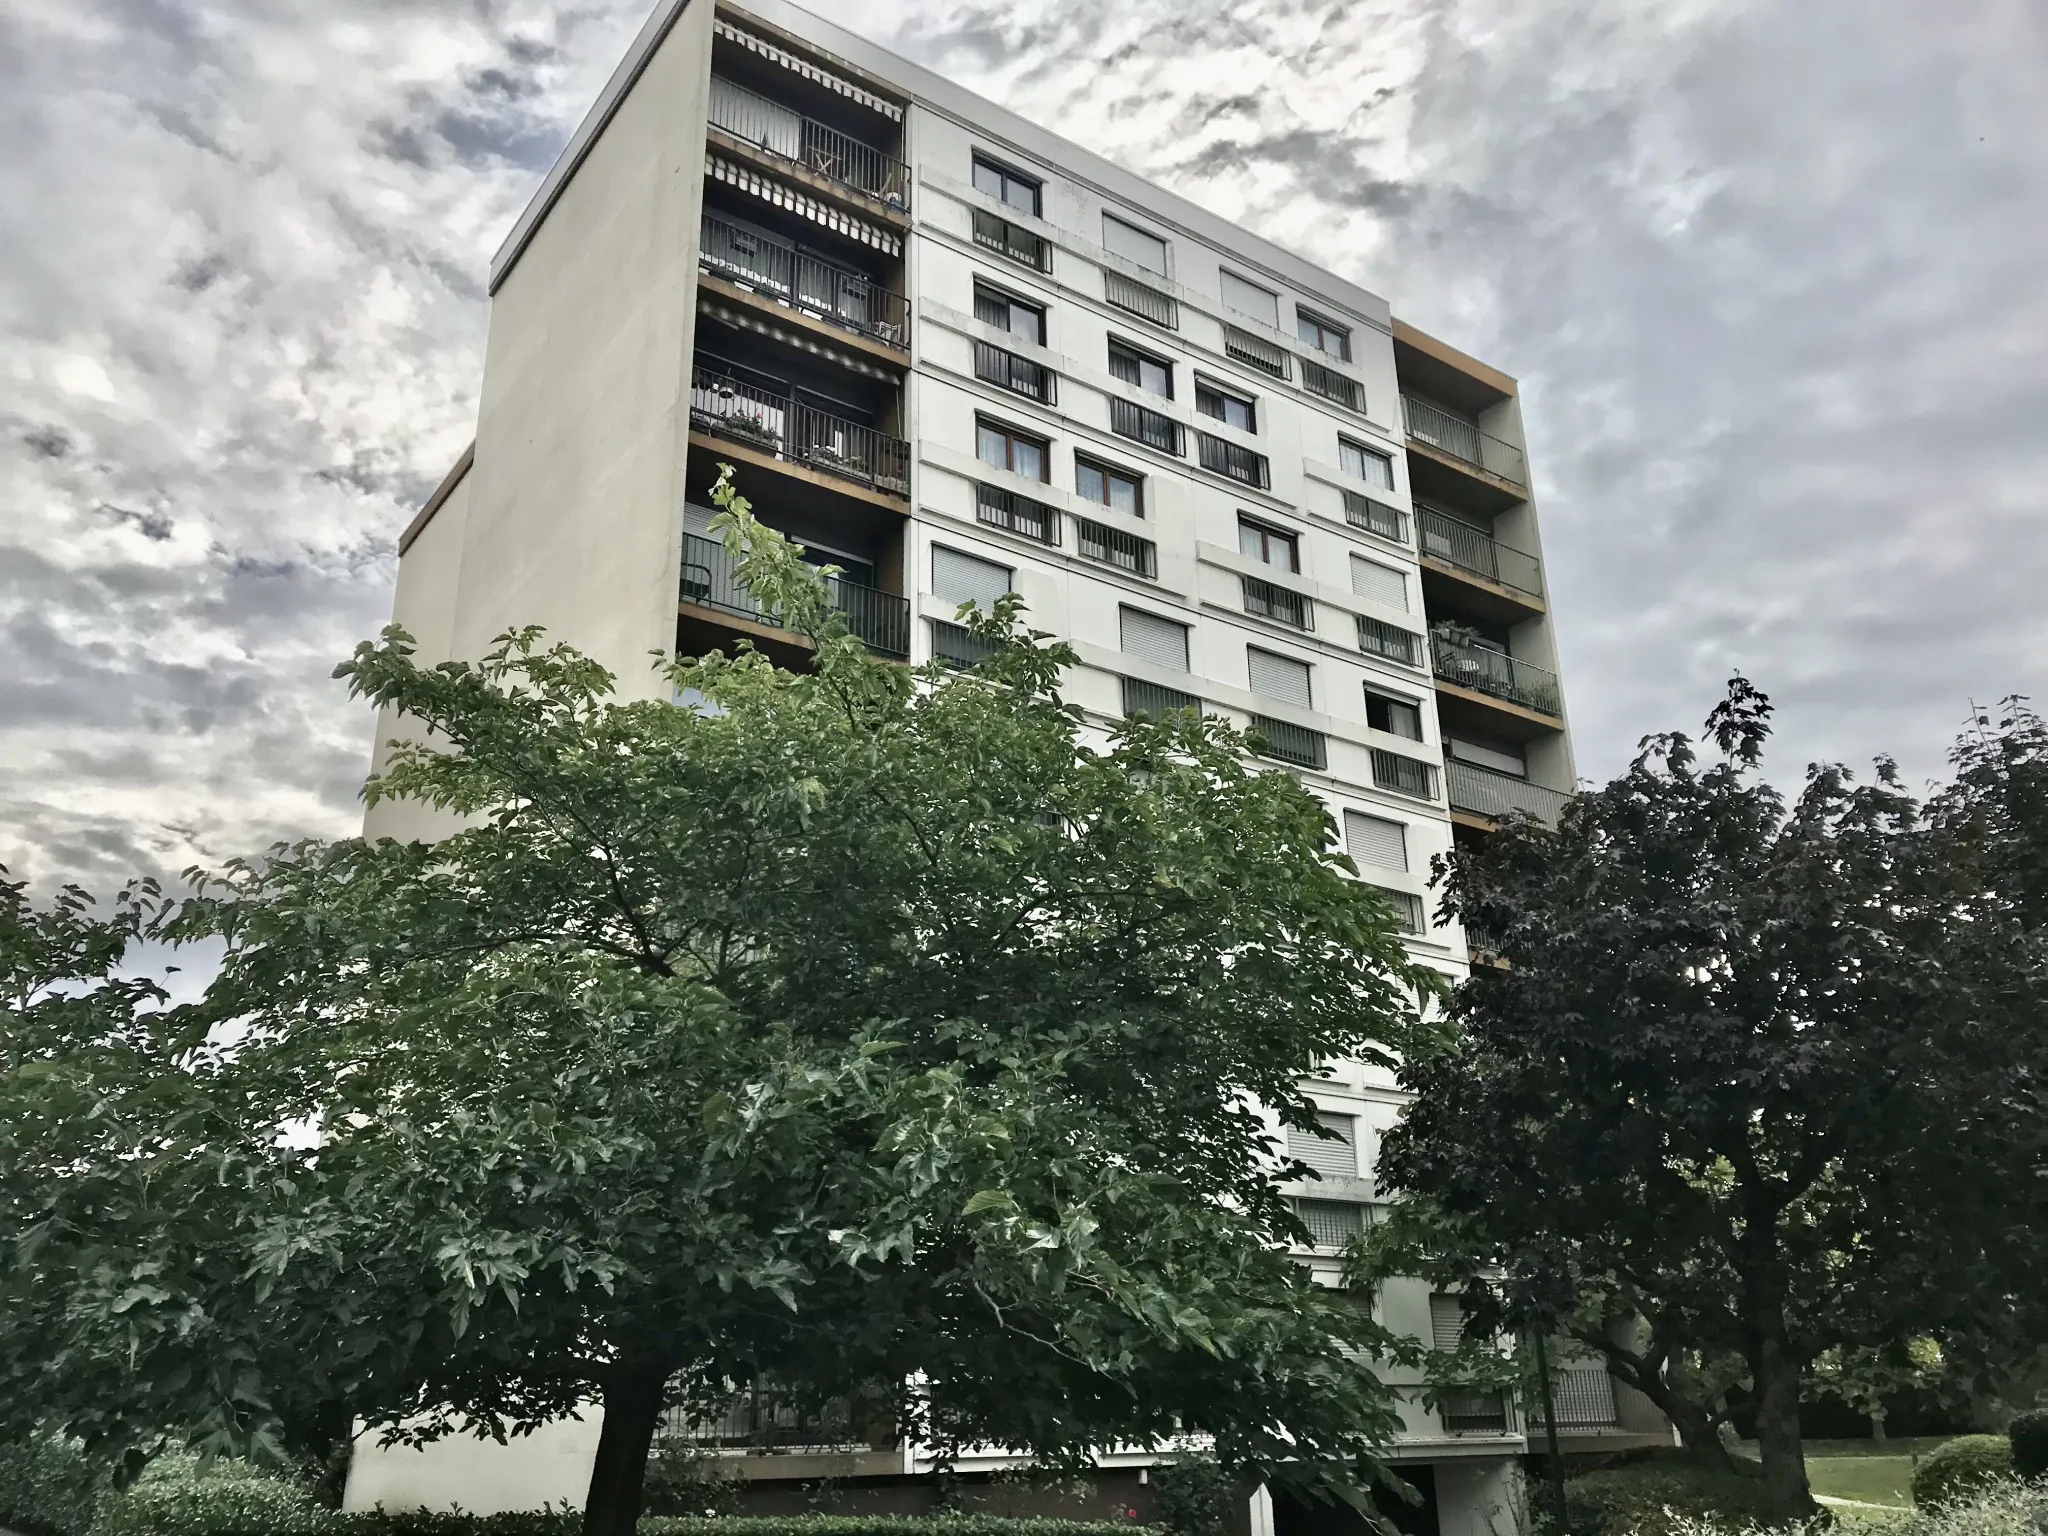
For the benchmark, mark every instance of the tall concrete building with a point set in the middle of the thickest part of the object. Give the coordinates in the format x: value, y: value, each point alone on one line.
x: 956, y: 355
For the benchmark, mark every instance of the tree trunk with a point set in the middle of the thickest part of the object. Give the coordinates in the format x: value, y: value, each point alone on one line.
x: 1694, y: 1424
x: 1777, y: 1432
x: 632, y: 1408
x: 1877, y: 1424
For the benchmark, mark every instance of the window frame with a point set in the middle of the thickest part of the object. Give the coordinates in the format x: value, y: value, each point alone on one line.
x: 1400, y: 700
x: 1118, y: 344
x: 1268, y: 533
x: 983, y: 288
x: 1324, y: 328
x: 1009, y: 173
x: 1368, y: 452
x: 1011, y: 436
x: 1204, y: 385
x: 1108, y: 470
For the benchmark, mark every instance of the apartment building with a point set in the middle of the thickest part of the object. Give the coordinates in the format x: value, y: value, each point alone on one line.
x: 956, y: 356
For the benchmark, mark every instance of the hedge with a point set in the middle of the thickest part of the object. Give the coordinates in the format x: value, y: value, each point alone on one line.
x: 2028, y: 1433
x: 1960, y: 1467
x: 1653, y: 1495
x: 47, y: 1487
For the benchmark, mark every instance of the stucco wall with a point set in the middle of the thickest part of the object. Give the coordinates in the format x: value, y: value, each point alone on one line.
x: 479, y: 1476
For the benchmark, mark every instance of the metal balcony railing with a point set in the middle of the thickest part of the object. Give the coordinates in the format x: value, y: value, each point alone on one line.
x: 1475, y: 1411
x: 1495, y: 674
x: 1127, y: 294
x: 1460, y: 437
x: 1473, y: 549
x: 1154, y: 699
x: 1403, y: 775
x: 1257, y: 352
x: 776, y: 268
x: 1483, y: 792
x: 1012, y: 240
x: 1112, y: 546
x: 1361, y: 511
x: 1005, y: 509
x: 1290, y: 743
x: 1144, y: 425
x: 769, y: 1418
x: 789, y: 135
x: 792, y: 429
x: 1376, y: 637
x: 1408, y: 909
x: 1270, y: 601
x: 1232, y: 459
x: 1008, y: 371
x: 1331, y: 385
x: 958, y: 646
x: 879, y: 620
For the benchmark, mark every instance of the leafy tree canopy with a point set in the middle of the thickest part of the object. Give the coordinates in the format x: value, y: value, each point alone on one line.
x: 858, y: 1030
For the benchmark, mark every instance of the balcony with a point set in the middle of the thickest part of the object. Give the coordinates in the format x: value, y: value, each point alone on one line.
x: 1112, y: 546
x: 1019, y: 375
x: 1473, y: 552
x: 1133, y: 297
x: 1475, y: 1412
x: 1459, y: 437
x: 957, y: 646
x: 879, y: 620
x: 1257, y: 352
x: 1482, y: 792
x: 1389, y: 642
x: 811, y: 146
x: 797, y: 280
x: 1289, y: 743
x: 1154, y: 699
x: 1332, y: 386
x: 797, y: 432
x: 1478, y: 669
x: 1141, y: 424
x: 1012, y: 513
x: 1401, y: 775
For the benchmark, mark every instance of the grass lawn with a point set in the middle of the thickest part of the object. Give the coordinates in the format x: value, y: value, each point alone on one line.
x: 1864, y: 1471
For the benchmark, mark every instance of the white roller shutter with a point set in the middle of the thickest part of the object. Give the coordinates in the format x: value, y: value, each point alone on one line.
x: 1332, y: 1159
x: 1134, y: 244
x: 1446, y: 1322
x: 962, y: 578
x: 1375, y: 841
x: 1151, y: 638
x: 1279, y: 677
x: 1250, y: 299
x: 1381, y: 583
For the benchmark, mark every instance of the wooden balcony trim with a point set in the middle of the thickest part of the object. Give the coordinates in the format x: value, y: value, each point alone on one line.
x: 1500, y: 589
x: 739, y: 453
x: 1485, y: 477
x: 1489, y: 701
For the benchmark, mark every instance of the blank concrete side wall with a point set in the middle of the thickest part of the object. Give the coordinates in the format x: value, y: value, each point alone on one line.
x: 575, y: 519
x: 1480, y: 1497
x: 429, y: 585
x: 480, y: 1477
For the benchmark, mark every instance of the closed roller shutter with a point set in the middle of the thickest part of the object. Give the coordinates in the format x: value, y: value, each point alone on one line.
x: 1332, y: 1159
x: 1381, y: 583
x: 1279, y: 677
x: 961, y: 578
x: 1376, y: 841
x: 1446, y: 1322
x: 1151, y: 638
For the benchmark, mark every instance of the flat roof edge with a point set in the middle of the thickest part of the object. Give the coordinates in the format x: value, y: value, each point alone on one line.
x: 442, y: 492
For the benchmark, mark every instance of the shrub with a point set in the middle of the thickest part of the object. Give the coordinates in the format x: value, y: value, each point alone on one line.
x: 1656, y: 1497
x: 224, y: 1512
x: 180, y: 1494
x: 2028, y: 1433
x: 1193, y: 1496
x: 47, y: 1487
x: 1961, y: 1467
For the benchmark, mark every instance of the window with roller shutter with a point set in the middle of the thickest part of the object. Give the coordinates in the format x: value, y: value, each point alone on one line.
x: 964, y: 578
x: 1332, y: 1159
x: 1381, y: 583
x: 1151, y: 638
x: 1278, y: 677
x: 1376, y: 841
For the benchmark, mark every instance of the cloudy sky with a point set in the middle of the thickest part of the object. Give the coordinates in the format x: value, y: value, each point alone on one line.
x: 1772, y: 275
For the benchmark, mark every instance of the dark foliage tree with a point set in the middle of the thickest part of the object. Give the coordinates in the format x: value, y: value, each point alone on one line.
x: 1736, y: 1098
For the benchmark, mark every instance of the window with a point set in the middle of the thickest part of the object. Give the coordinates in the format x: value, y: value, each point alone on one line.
x: 1381, y: 583
x: 1278, y: 677
x: 1149, y: 373
x: 1393, y: 714
x: 1133, y: 244
x: 1151, y: 638
x: 1111, y: 487
x: 1336, y: 1159
x: 1008, y: 313
x: 964, y: 578
x: 1112, y: 546
x: 1008, y: 449
x: 1250, y: 299
x: 1376, y: 842
x: 1212, y: 399
x: 1368, y: 464
x: 1007, y: 186
x: 1329, y: 339
x: 1409, y: 915
x: 1268, y: 546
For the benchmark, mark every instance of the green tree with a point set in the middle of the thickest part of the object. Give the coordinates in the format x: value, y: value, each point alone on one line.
x: 844, y: 1030
x: 1735, y: 1099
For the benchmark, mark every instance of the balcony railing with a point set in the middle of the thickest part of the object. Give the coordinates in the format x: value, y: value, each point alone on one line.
x: 769, y: 1418
x: 1154, y: 699
x: 1495, y: 674
x: 1585, y: 1399
x: 1483, y: 792
x: 879, y: 620
x: 1257, y: 352
x: 1331, y: 385
x: 1112, y: 546
x: 799, y: 432
x: 1162, y: 309
x: 958, y: 646
x: 1376, y: 637
x: 1008, y: 371
x: 1144, y: 425
x: 1403, y: 775
x: 1269, y: 601
x: 837, y: 295
x: 1232, y: 459
x: 1475, y: 1411
x: 1005, y: 509
x: 1460, y: 437
x: 817, y: 147
x: 1473, y: 549
x: 1361, y: 511
x: 1290, y: 743
x: 1012, y: 240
